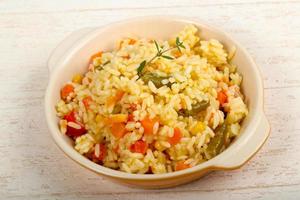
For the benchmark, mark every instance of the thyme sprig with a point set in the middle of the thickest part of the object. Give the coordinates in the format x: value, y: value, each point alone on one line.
x: 101, y: 66
x: 160, y: 53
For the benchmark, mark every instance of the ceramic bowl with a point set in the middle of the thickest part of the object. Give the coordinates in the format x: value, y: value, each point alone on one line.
x: 72, y: 56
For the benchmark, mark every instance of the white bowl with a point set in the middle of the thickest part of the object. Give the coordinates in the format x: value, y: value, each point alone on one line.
x: 72, y: 56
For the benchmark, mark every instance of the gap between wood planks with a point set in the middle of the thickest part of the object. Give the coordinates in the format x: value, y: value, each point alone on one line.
x: 154, y: 7
x: 156, y: 192
x: 281, y: 87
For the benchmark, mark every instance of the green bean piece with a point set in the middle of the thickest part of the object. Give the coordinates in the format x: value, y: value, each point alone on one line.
x: 227, y: 139
x: 217, y: 143
x: 196, y: 108
x: 156, y: 79
x: 117, y: 109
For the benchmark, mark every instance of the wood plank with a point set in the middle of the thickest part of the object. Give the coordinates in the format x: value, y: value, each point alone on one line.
x: 274, y: 193
x: 34, y: 6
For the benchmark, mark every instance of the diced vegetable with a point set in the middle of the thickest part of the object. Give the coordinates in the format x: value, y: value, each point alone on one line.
x: 98, y: 54
x: 116, y: 149
x: 155, y: 78
x: 198, y: 128
x: 101, y: 118
x: 119, y: 95
x: 194, y: 75
x: 77, y: 78
x: 177, y: 54
x: 74, y: 128
x: 112, y: 100
x: 74, y: 132
x: 131, y: 41
x: 106, y: 121
x: 118, y: 130
x: 196, y: 108
x: 66, y: 90
x: 148, y: 124
x: 126, y: 56
x: 130, y: 117
x: 159, y: 147
x: 98, y: 118
x: 117, y: 109
x: 200, y: 106
x: 70, y: 117
x: 100, y: 152
x: 176, y: 137
x: 218, y: 141
x: 86, y: 101
x: 226, y: 138
x: 222, y: 97
x: 139, y: 147
x: 117, y: 118
x: 132, y: 107
x: 181, y: 166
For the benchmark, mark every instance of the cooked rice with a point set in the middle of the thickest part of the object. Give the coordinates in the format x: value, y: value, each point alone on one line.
x: 198, y: 73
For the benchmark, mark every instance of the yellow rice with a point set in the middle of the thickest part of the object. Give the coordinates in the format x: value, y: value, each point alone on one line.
x: 198, y: 73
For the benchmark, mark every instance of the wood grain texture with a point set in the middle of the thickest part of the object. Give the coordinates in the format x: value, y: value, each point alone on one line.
x: 32, y: 167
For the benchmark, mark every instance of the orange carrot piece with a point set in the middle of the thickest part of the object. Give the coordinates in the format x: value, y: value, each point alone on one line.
x: 66, y: 90
x: 87, y: 101
x: 98, y: 54
x: 106, y: 121
x: 148, y: 124
x: 139, y: 147
x: 177, y: 54
x: 222, y: 97
x: 119, y: 95
x: 126, y: 57
x: 116, y: 148
x: 112, y: 100
x: 181, y: 166
x: 176, y: 137
x: 131, y: 41
x: 118, y: 130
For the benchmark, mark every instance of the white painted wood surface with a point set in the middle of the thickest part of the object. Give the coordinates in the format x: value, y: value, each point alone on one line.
x: 32, y: 166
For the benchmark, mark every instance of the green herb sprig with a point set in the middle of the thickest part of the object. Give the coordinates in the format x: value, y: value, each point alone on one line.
x: 101, y: 66
x: 160, y: 53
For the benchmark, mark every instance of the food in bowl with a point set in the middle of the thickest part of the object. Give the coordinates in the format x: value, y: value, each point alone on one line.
x: 154, y: 106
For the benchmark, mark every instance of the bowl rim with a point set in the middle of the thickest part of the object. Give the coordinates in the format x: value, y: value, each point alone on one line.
x: 205, y: 166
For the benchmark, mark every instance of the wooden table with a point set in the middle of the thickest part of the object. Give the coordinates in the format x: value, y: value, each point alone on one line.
x: 32, y: 166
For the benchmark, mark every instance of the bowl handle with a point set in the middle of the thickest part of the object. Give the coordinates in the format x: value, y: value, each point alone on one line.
x: 248, y: 150
x: 63, y: 47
